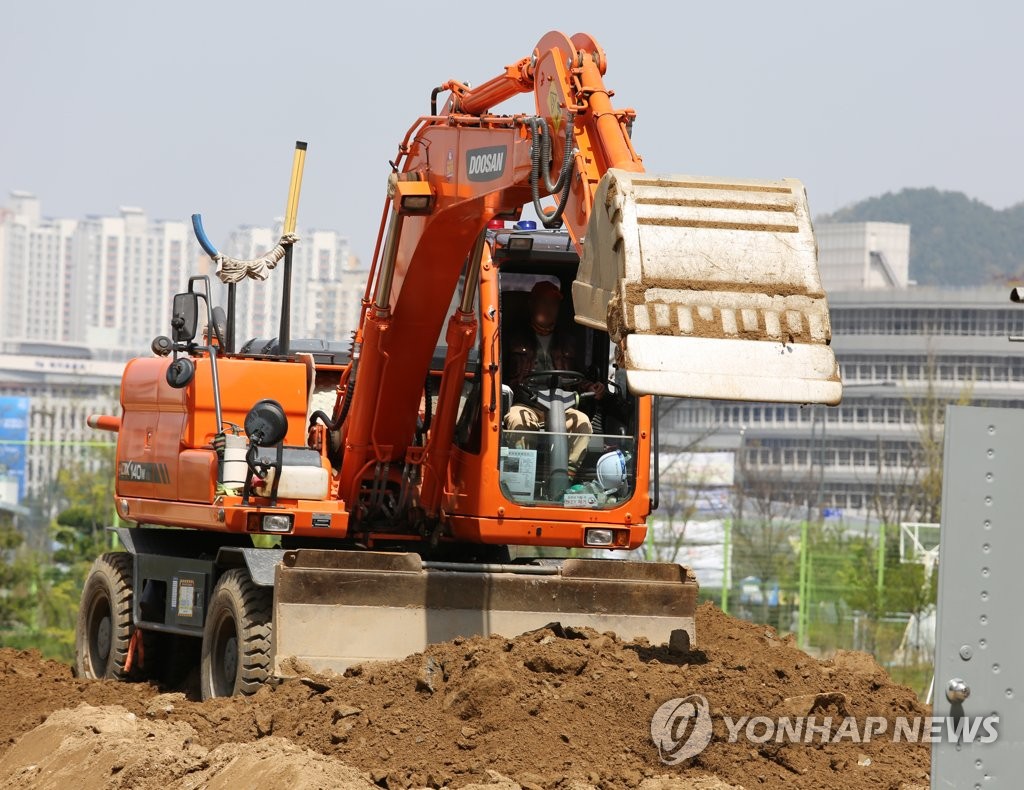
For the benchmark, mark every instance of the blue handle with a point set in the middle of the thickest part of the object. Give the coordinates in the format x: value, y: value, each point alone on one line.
x: 204, y: 241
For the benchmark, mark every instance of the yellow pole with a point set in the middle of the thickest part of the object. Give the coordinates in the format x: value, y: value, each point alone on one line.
x: 291, y: 211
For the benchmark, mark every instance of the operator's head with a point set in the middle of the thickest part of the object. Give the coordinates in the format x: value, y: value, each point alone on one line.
x: 545, y: 299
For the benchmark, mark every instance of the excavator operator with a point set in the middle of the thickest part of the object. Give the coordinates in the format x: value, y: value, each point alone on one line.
x: 544, y: 346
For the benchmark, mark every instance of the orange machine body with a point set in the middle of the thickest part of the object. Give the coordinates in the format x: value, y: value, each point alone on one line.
x: 167, y: 469
x: 472, y: 167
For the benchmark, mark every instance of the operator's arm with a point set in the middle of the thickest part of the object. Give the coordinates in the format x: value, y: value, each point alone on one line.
x: 568, y: 358
x: 598, y: 388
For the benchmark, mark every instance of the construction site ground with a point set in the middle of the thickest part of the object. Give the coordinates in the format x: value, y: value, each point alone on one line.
x: 552, y: 708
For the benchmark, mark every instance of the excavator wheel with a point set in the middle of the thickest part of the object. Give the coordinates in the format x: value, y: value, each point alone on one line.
x: 236, y: 655
x: 105, y: 619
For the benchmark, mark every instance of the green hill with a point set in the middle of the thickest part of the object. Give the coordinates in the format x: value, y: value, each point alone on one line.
x: 954, y: 239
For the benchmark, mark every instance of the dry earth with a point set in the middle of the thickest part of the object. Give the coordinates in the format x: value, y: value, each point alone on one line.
x: 553, y: 708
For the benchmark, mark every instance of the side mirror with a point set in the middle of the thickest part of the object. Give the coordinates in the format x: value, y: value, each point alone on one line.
x: 184, y: 317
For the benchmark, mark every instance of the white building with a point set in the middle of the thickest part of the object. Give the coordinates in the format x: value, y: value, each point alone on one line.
x: 126, y: 270
x: 334, y: 287
x: 35, y: 272
x: 859, y: 256
x: 64, y: 385
x: 103, y: 281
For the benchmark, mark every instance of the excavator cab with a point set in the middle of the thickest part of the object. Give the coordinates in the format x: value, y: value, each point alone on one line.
x: 568, y: 433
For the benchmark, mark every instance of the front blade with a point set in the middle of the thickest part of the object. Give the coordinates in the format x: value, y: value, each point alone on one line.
x: 334, y: 609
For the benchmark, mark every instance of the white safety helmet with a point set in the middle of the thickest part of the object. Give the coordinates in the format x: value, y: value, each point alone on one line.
x: 611, y: 471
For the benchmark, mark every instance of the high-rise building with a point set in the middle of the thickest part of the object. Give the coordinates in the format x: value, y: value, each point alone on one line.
x: 334, y: 288
x: 126, y: 270
x: 103, y: 281
x: 107, y: 281
x: 36, y: 271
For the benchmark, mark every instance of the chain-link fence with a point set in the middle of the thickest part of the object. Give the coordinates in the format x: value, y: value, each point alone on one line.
x: 832, y: 584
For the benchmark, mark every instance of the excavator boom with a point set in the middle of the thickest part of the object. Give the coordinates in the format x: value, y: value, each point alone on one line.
x: 709, y: 287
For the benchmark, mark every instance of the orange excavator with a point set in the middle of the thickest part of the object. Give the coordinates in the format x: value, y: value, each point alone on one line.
x: 306, y: 500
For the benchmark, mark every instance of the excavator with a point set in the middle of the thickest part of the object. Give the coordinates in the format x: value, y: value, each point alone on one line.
x: 310, y: 503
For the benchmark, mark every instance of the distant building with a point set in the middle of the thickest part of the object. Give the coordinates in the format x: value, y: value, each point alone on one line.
x: 107, y: 281
x: 36, y: 272
x: 104, y: 281
x: 899, y: 349
x: 126, y: 270
x: 863, y: 256
x: 63, y: 385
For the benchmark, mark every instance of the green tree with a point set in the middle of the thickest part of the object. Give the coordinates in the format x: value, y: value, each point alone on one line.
x: 40, y: 589
x: 906, y: 587
x: 15, y: 578
x: 954, y: 239
x: 762, y: 537
x: 80, y: 534
x: 86, y: 492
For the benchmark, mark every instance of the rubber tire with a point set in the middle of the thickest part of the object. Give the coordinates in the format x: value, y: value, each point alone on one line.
x: 104, y: 625
x: 241, y: 611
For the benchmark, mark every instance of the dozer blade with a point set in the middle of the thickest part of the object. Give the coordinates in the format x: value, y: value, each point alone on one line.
x: 334, y: 609
x: 709, y: 288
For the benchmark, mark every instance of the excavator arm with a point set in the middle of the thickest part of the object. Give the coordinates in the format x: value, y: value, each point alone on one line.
x: 709, y: 288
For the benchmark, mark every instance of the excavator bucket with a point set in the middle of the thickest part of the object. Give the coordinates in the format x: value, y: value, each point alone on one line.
x: 709, y: 288
x: 334, y: 609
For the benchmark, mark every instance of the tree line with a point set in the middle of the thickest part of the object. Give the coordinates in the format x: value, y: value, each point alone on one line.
x: 955, y: 240
x: 43, y: 570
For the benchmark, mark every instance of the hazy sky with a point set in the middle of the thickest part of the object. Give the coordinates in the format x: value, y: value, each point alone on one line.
x: 185, y: 106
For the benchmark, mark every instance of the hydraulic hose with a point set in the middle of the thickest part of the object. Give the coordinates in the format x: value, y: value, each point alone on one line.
x: 433, y: 98
x: 202, y: 238
x: 335, y: 424
x: 540, y: 128
x: 322, y: 416
x: 540, y: 156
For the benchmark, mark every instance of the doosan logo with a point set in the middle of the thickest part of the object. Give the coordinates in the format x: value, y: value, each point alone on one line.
x: 485, y: 164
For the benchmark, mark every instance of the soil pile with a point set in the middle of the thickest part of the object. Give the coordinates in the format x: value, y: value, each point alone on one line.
x: 92, y: 748
x: 553, y: 708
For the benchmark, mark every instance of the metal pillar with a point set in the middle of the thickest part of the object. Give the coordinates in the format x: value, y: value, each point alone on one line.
x: 979, y: 641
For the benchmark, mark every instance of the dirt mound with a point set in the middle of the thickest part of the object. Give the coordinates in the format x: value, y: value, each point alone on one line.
x: 94, y: 748
x: 552, y: 708
x: 31, y: 688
